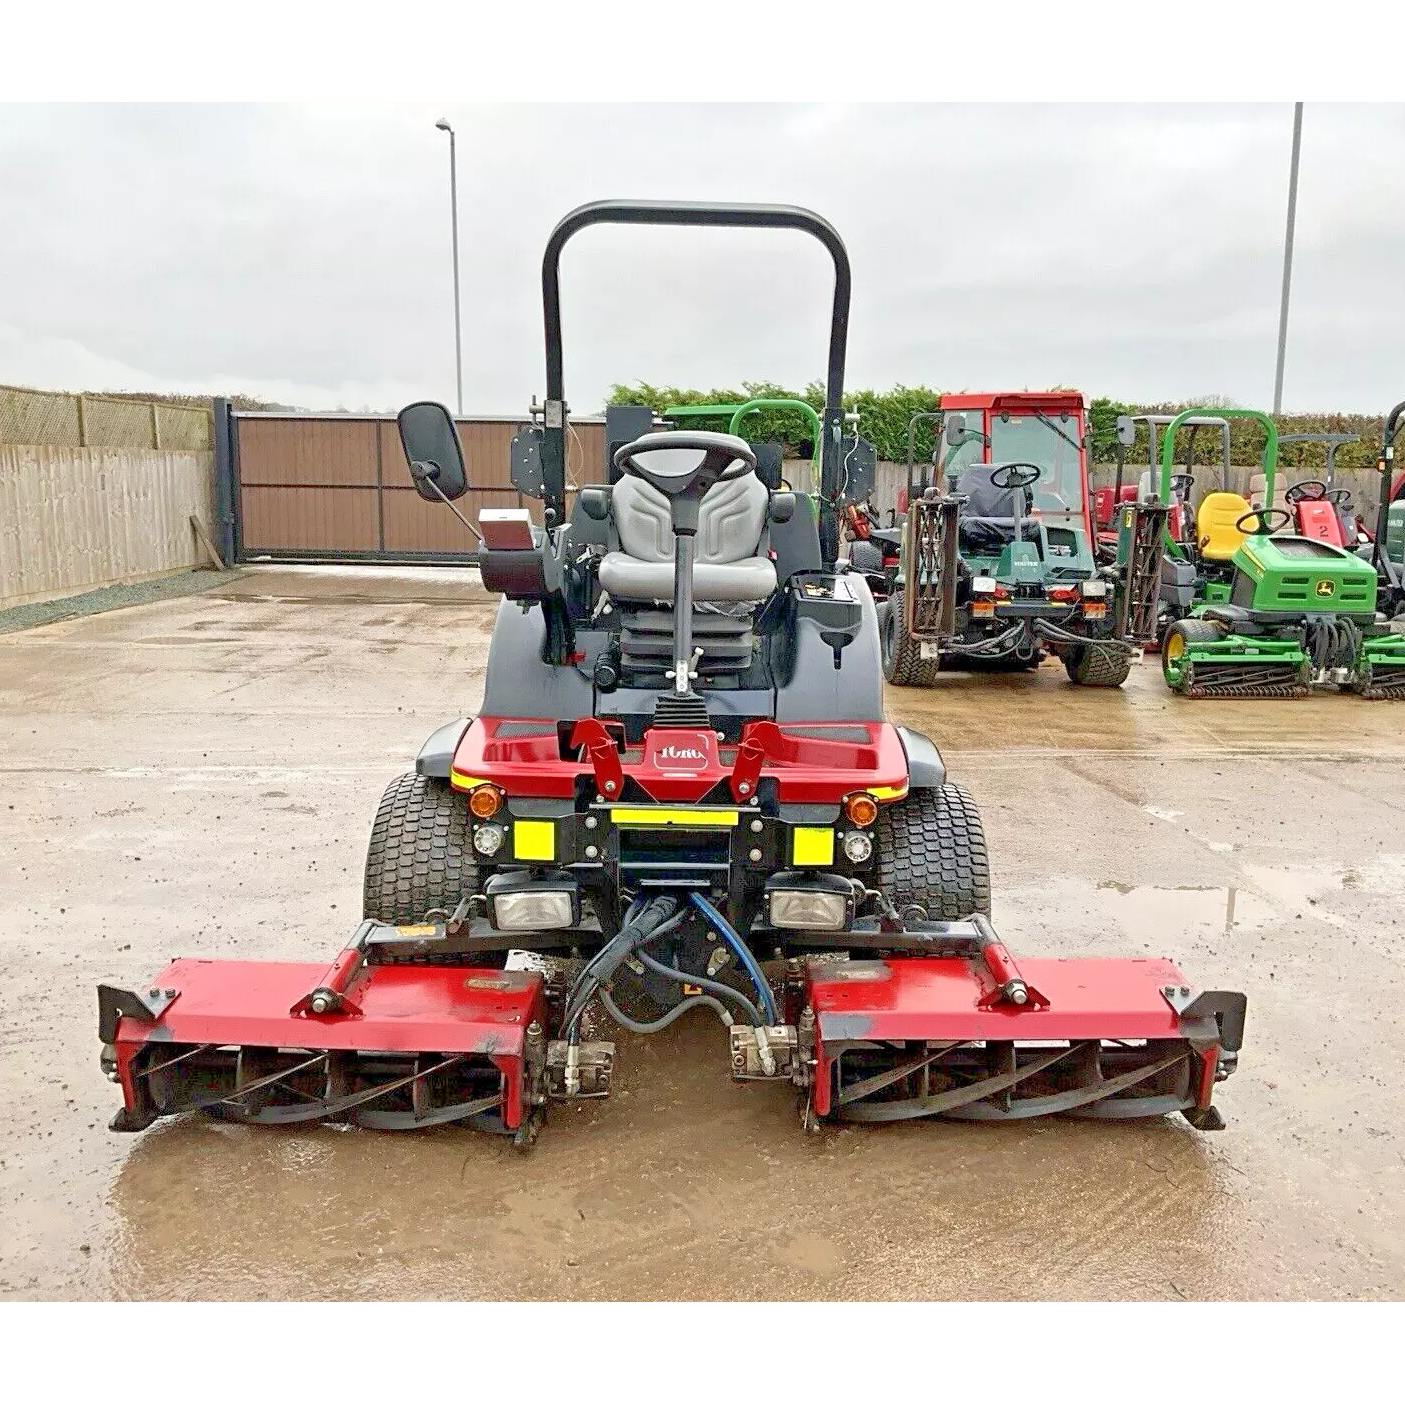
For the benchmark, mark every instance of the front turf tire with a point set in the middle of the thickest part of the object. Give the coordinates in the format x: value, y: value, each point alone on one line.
x: 1173, y: 646
x: 420, y: 856
x: 903, y: 664
x: 932, y: 852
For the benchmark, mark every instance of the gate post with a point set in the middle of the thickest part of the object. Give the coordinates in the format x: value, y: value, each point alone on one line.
x: 226, y: 494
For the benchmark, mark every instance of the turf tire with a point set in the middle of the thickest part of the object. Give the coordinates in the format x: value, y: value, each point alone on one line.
x: 1091, y: 667
x: 903, y: 664
x: 932, y: 851
x: 419, y: 857
x: 1193, y: 631
x: 866, y: 556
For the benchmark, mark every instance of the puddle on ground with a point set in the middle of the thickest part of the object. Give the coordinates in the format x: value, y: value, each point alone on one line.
x: 1185, y: 908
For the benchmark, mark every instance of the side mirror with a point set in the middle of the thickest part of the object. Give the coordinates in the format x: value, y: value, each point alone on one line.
x: 1126, y: 431
x: 432, y: 450
x: 954, y: 427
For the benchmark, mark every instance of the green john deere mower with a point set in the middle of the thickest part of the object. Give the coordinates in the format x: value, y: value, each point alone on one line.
x: 1279, y: 614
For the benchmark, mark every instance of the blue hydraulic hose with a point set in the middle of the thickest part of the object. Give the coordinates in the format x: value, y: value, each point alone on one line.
x: 728, y: 933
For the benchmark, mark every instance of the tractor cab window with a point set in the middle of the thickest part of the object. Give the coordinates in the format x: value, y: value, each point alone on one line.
x: 1054, y: 444
x: 956, y: 460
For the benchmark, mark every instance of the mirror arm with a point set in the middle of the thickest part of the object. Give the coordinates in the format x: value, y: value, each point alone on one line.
x: 440, y: 493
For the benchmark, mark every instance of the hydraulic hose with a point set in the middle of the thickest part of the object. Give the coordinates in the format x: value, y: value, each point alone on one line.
x: 728, y: 933
x: 703, y: 983
x: 642, y: 923
x: 668, y: 1017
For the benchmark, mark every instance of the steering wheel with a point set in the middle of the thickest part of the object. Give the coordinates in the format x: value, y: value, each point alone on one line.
x: 1338, y: 497
x: 1309, y: 490
x: 1182, y: 483
x: 1261, y: 515
x: 686, y: 462
x: 1015, y: 475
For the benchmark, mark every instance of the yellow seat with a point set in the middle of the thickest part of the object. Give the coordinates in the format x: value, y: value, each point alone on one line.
x: 1219, y: 538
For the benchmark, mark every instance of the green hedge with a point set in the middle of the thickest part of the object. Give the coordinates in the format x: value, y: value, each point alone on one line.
x: 884, y: 416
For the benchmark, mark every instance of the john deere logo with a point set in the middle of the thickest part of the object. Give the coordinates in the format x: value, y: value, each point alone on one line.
x: 1325, y: 587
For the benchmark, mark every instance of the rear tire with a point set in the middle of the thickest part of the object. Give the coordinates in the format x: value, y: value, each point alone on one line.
x: 903, y: 663
x: 419, y: 858
x: 932, y: 851
x: 1091, y: 667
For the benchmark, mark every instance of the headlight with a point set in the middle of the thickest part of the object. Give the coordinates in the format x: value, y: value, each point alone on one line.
x: 1094, y: 590
x: 488, y: 839
x: 858, y: 847
x: 983, y: 585
x: 532, y: 911
x: 810, y: 909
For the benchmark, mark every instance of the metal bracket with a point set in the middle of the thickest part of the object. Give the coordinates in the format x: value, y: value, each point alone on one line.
x: 590, y: 733
x: 1226, y: 1007
x: 527, y: 474
x: 114, y: 1004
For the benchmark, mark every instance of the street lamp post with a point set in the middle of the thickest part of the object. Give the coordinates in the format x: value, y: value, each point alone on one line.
x: 1288, y: 256
x: 443, y: 125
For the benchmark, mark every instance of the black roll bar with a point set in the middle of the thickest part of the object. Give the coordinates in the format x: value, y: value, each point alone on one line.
x: 665, y: 212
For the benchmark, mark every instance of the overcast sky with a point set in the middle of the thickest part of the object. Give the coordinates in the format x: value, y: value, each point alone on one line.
x: 303, y: 253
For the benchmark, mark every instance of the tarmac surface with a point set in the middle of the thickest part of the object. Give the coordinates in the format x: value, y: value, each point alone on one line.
x: 198, y: 776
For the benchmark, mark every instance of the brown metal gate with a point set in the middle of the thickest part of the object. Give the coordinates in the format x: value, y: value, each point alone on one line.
x: 337, y: 487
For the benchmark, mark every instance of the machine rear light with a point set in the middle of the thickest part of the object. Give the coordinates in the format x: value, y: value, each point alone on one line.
x: 488, y: 839
x: 531, y: 912
x: 485, y: 801
x: 1064, y: 594
x: 862, y: 809
x: 809, y: 909
x: 858, y: 847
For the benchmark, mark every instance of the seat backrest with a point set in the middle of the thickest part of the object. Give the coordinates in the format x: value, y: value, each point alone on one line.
x: 1214, y: 525
x: 1319, y: 521
x: 731, y: 520
x: 984, y: 499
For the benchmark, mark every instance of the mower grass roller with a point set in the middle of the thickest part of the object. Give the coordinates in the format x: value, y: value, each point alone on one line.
x: 1280, y: 614
x: 997, y: 563
x: 681, y: 790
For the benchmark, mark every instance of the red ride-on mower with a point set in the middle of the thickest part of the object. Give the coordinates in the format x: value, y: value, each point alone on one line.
x: 681, y: 788
x: 1321, y: 510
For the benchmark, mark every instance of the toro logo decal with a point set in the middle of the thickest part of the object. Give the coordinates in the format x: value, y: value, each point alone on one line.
x: 1326, y: 587
x: 681, y: 753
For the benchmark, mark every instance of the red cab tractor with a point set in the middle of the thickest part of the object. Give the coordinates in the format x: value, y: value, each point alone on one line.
x: 999, y: 563
x: 681, y: 794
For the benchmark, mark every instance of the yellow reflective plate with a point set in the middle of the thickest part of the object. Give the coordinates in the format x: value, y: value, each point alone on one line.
x: 534, y: 839
x: 812, y: 846
x: 649, y: 818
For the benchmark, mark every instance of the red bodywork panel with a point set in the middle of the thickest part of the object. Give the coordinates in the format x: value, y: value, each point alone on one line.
x: 403, y: 1009
x: 1319, y: 521
x: 808, y: 770
x: 951, y: 998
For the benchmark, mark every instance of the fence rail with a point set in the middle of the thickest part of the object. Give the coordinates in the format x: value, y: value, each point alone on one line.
x: 100, y: 421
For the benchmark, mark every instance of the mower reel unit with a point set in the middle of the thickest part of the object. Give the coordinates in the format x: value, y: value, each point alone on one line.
x: 1282, y: 613
x: 681, y: 794
x: 998, y: 562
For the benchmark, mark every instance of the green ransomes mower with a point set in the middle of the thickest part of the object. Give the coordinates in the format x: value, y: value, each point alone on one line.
x: 1299, y: 614
x: 680, y: 796
x: 997, y: 563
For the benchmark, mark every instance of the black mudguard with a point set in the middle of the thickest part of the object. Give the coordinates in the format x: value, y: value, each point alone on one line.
x: 925, y: 768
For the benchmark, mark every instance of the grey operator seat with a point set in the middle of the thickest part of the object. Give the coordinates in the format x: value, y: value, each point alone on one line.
x: 729, y: 566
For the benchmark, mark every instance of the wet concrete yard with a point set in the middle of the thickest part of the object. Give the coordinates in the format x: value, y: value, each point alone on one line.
x: 199, y: 777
